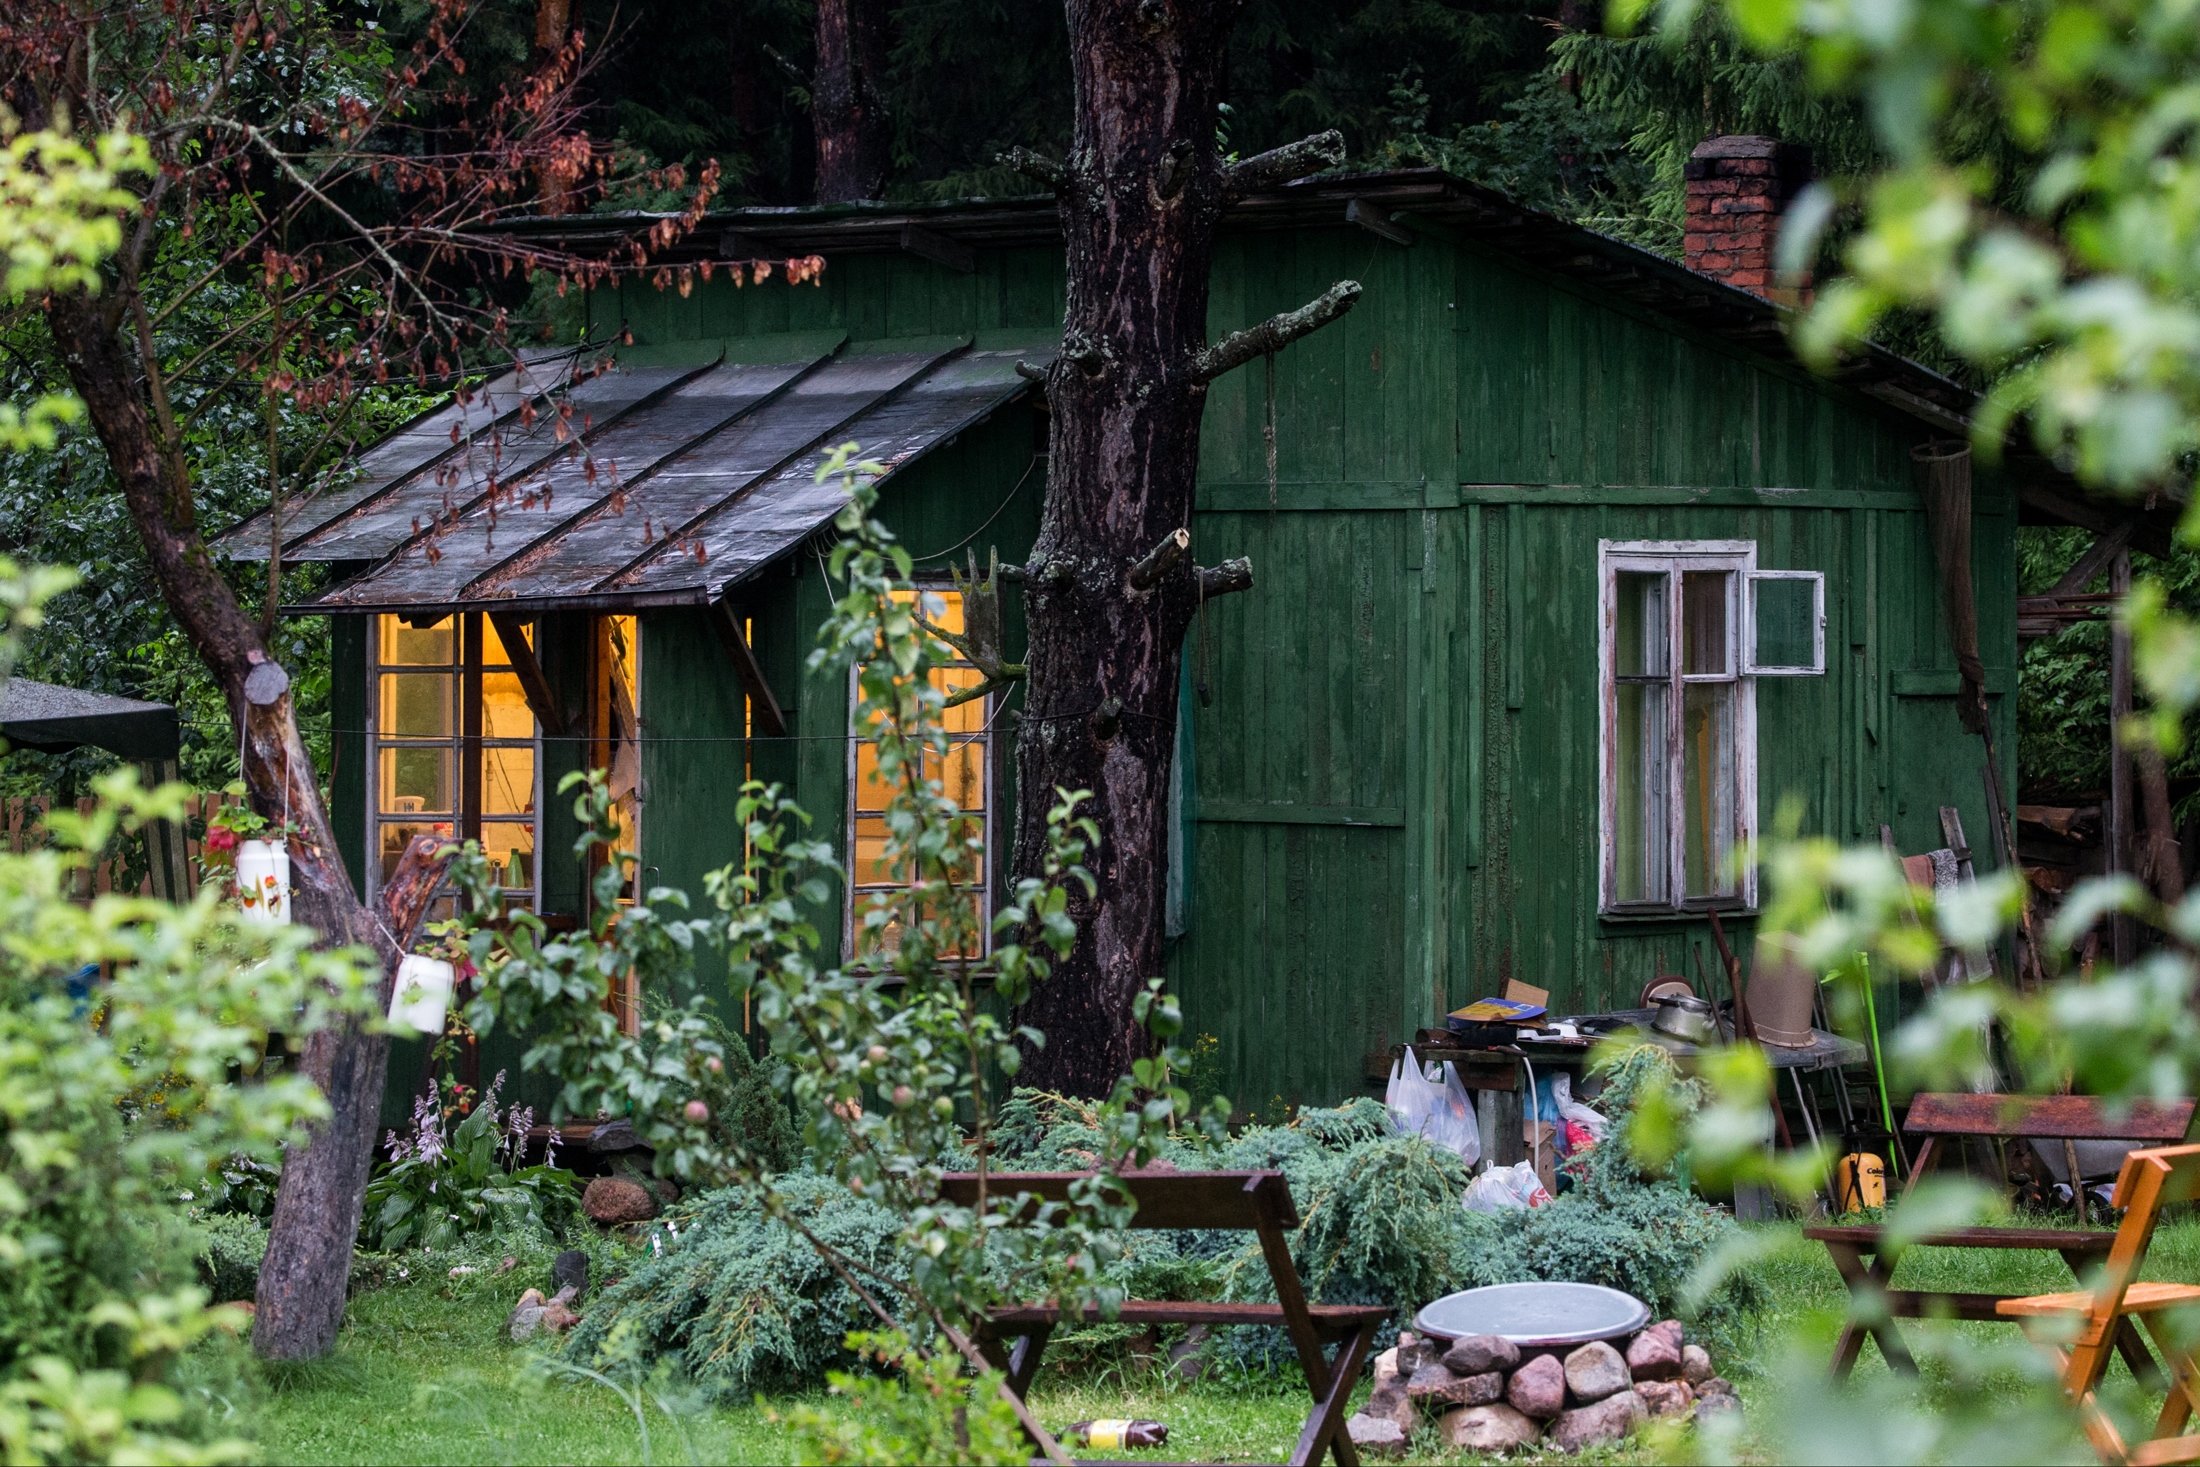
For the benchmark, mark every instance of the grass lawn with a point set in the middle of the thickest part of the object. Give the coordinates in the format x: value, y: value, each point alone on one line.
x: 423, y: 1375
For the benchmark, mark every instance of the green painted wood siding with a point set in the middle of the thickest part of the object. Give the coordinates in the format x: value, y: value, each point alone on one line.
x: 1395, y: 786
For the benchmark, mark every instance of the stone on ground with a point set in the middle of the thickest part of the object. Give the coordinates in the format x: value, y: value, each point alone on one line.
x: 570, y: 1271
x: 1666, y: 1397
x: 1385, y: 1366
x: 1460, y: 1390
x: 1427, y: 1381
x: 1538, y: 1388
x: 1595, y: 1371
x: 1696, y: 1364
x: 1609, y: 1420
x: 1477, y: 1353
x: 1390, y: 1403
x: 1655, y: 1354
x: 1376, y: 1437
x: 610, y: 1201
x: 1487, y: 1428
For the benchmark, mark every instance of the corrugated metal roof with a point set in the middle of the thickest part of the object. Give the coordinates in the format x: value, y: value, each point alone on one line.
x: 570, y: 483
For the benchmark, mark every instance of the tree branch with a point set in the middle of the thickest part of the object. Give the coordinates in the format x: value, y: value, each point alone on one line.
x: 1235, y: 574
x: 1154, y: 566
x: 1036, y: 166
x: 1281, y: 165
x: 1275, y: 333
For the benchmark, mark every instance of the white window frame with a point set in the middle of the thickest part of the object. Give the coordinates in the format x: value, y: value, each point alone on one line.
x: 853, y: 895
x: 1671, y: 558
x: 1751, y: 580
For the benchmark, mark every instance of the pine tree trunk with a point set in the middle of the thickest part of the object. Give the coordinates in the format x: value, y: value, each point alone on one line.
x: 1140, y: 207
x: 317, y: 1209
x: 846, y: 110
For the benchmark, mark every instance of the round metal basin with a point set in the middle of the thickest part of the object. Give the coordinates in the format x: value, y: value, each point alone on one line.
x: 1537, y: 1314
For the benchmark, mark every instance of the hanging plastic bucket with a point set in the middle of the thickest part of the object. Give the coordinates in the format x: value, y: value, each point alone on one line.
x: 421, y: 996
x: 263, y: 880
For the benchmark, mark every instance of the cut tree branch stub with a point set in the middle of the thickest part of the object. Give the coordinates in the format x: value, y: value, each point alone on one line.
x: 1275, y: 333
x: 1036, y: 166
x: 1154, y: 566
x: 1282, y: 165
x: 1232, y: 575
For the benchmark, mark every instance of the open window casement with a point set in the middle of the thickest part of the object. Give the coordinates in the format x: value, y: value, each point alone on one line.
x: 1687, y: 627
x: 1785, y: 619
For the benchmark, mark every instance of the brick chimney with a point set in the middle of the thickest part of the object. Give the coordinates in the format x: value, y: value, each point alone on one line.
x: 1738, y: 187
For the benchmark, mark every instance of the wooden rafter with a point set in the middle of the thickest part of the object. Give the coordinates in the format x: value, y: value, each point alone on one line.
x: 770, y: 719
x: 512, y: 631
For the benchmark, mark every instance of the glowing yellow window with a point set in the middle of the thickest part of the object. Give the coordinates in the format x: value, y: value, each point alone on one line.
x: 454, y: 745
x: 966, y: 777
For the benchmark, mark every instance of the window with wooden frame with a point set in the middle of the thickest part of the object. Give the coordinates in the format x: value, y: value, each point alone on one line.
x: 967, y: 777
x: 1687, y: 628
x: 453, y: 743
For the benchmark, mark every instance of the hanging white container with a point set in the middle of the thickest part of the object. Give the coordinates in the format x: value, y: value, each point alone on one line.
x: 421, y: 996
x: 263, y: 880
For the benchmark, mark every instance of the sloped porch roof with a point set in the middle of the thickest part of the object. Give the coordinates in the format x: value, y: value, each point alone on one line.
x: 570, y: 483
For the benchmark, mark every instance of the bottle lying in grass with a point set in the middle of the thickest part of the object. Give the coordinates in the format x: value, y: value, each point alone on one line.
x: 1106, y: 1435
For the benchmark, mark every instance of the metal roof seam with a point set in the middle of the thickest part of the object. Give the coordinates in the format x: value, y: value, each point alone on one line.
x: 515, y: 562
x: 595, y: 427
x: 608, y: 583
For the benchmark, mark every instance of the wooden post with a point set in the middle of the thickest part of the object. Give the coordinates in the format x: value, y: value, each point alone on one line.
x: 2122, y: 933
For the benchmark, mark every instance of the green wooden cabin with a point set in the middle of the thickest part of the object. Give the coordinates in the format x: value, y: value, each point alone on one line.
x: 1569, y: 580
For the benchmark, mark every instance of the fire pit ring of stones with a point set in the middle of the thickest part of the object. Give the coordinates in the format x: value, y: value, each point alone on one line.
x: 1535, y: 1315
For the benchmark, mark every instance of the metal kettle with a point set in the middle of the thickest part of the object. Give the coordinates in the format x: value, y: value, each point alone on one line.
x: 1685, y: 1017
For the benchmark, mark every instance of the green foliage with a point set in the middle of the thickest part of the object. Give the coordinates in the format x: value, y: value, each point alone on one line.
x: 744, y: 1301
x: 436, y: 1188
x: 923, y: 1407
x: 747, y: 1116
x: 231, y: 1247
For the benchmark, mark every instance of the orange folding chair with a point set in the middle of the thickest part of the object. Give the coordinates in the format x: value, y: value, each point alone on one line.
x: 2149, y: 1181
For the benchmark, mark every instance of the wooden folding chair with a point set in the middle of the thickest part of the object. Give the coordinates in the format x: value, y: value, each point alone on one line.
x: 2149, y: 1181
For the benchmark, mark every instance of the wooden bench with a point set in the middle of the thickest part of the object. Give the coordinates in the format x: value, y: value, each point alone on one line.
x: 1332, y: 1340
x: 1866, y: 1264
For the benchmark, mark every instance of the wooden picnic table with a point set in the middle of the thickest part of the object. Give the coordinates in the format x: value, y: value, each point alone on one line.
x: 1332, y: 1340
x: 1866, y: 1260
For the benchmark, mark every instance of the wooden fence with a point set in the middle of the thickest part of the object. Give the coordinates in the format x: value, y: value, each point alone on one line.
x: 126, y: 865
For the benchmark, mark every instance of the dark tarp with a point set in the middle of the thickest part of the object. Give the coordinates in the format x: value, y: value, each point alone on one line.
x: 568, y: 484
x: 55, y: 719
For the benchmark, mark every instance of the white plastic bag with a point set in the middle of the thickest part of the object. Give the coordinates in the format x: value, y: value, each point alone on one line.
x: 1440, y: 1110
x: 1503, y: 1188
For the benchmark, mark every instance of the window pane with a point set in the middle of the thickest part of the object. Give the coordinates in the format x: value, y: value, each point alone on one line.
x: 507, y: 781
x: 1706, y: 606
x: 966, y: 717
x: 871, y: 868
x: 504, y: 710
x: 510, y: 847
x: 1785, y: 621
x: 395, y: 834
x: 962, y: 773
x: 415, y: 779
x: 1640, y: 631
x: 417, y: 646
x: 419, y: 705
x: 944, y: 609
x: 1708, y: 779
x: 872, y: 792
x: 1640, y: 826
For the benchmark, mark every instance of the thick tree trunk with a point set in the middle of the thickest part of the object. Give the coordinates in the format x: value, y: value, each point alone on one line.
x: 846, y: 110
x: 303, y: 1283
x: 1140, y: 205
